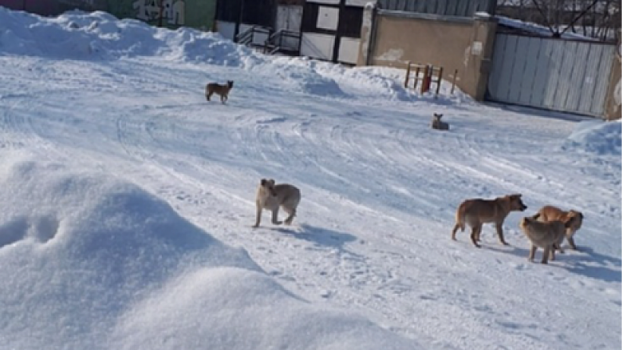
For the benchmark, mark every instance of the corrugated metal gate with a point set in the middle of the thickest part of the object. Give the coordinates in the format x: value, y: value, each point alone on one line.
x: 561, y: 75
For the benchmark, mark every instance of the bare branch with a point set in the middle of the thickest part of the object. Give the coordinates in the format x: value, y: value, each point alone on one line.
x: 554, y: 32
x: 580, y: 15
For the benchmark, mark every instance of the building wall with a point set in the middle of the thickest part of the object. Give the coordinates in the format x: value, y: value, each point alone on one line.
x: 614, y: 98
x: 461, y: 44
x: 331, y: 29
x: 460, y: 8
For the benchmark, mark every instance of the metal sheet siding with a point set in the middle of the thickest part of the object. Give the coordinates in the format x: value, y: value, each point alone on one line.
x: 577, y: 78
x: 570, y: 76
x: 601, y: 79
x: 531, y: 59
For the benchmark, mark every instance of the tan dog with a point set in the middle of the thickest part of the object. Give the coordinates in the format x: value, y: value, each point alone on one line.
x: 438, y: 124
x: 221, y: 90
x: 543, y: 235
x: 572, y: 219
x: 271, y: 197
x: 476, y: 212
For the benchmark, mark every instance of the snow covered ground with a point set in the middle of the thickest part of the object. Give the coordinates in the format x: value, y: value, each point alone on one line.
x: 126, y: 203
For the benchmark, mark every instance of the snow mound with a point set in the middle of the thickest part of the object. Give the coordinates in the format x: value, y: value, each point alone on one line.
x: 88, y: 261
x: 99, y: 35
x: 596, y: 137
x: 230, y: 308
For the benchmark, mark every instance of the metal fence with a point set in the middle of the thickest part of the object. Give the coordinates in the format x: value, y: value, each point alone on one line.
x: 562, y: 75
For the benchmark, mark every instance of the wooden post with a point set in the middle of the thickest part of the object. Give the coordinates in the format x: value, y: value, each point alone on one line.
x: 426, y: 80
x: 407, y: 75
x: 439, y: 75
x: 417, y: 76
x: 456, y: 71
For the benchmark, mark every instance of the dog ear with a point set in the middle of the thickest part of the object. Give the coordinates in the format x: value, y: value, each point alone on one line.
x: 536, y: 216
x: 263, y: 182
x: 271, y: 181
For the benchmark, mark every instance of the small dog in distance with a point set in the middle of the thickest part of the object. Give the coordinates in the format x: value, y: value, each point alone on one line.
x: 437, y: 124
x: 221, y: 90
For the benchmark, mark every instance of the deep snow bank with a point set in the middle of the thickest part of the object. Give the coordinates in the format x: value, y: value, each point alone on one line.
x: 88, y: 261
x: 101, y: 36
x: 596, y: 137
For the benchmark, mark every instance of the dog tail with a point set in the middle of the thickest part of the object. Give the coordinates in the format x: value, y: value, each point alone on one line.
x: 460, y: 221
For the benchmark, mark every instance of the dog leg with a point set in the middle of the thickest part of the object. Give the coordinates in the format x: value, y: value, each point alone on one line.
x: 498, y: 228
x: 478, y: 234
x: 546, y: 252
x: 552, y: 252
x: 456, y: 227
x: 275, y: 216
x: 258, y: 216
x: 292, y: 212
x: 474, y: 235
x: 532, y: 252
x: 572, y: 243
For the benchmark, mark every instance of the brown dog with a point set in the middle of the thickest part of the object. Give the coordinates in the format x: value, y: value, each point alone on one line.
x: 221, y: 90
x: 572, y: 219
x: 437, y: 124
x: 545, y: 235
x: 270, y: 196
x: 476, y: 212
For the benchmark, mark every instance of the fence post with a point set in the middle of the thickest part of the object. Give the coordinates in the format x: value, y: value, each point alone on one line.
x: 407, y: 75
x: 426, y: 80
x: 439, y: 75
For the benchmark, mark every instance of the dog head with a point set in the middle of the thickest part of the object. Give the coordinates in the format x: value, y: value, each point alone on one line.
x: 437, y: 116
x: 526, y: 222
x: 573, y: 220
x: 515, y: 202
x: 269, y: 185
x: 230, y: 84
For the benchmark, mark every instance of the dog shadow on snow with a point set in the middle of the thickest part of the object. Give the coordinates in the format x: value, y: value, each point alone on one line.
x: 320, y: 236
x: 593, y: 264
x: 585, y: 261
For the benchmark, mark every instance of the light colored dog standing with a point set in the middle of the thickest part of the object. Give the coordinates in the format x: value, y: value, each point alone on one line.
x: 543, y: 235
x: 270, y: 196
x: 476, y: 212
x: 572, y: 219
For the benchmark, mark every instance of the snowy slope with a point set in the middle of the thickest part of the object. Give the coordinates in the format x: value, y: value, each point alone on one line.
x: 127, y: 201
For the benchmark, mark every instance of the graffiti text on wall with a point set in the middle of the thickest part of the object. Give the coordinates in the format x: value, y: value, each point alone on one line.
x: 149, y: 10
